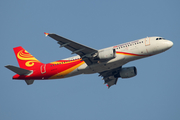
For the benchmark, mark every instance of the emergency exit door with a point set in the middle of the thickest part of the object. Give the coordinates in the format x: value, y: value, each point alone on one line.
x: 43, y: 69
x: 147, y: 41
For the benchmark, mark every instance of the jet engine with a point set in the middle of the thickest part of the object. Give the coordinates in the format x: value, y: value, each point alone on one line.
x: 128, y: 72
x: 105, y: 54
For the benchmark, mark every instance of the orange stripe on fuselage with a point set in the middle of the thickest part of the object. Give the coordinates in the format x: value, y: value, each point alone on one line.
x: 130, y: 54
x: 65, y: 67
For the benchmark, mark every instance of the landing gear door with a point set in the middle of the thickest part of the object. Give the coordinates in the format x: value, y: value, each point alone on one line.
x: 147, y: 41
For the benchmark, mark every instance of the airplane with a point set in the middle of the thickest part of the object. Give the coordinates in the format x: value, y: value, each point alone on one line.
x: 107, y: 62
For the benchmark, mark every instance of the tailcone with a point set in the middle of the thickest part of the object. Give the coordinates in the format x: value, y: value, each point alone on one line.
x: 19, y: 77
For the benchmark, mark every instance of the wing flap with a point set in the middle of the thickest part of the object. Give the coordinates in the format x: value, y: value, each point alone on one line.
x: 110, y: 77
x: 112, y: 82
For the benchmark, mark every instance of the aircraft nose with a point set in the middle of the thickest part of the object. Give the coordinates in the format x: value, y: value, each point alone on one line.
x: 169, y: 44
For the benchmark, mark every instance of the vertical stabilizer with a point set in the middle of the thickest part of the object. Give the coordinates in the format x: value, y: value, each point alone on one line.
x: 25, y: 59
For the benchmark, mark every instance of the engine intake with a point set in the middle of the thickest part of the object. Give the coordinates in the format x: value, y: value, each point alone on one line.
x: 128, y: 72
x: 106, y: 54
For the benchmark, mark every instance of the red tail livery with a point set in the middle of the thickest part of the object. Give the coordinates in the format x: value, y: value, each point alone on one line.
x: 25, y: 59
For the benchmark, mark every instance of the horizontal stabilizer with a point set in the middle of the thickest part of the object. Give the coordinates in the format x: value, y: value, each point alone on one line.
x: 19, y: 71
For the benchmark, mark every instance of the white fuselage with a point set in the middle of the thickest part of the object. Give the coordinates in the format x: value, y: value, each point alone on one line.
x: 125, y: 53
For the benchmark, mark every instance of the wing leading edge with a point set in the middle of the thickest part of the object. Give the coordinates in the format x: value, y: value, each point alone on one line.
x: 83, y: 51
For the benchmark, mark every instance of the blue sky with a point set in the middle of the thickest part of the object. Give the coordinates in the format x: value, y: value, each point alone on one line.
x: 152, y: 94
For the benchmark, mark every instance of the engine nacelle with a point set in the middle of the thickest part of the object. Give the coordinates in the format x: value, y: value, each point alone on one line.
x: 106, y: 54
x: 128, y: 72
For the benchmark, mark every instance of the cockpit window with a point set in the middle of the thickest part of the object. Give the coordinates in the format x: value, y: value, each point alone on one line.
x: 160, y: 38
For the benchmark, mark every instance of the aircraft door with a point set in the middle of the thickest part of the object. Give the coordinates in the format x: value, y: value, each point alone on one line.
x: 43, y: 69
x: 147, y: 41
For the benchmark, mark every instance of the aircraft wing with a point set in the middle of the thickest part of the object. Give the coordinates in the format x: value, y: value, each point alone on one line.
x: 112, y: 82
x: 110, y: 77
x: 82, y: 50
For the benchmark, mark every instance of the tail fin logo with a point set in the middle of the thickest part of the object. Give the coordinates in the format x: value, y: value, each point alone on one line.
x: 24, y: 55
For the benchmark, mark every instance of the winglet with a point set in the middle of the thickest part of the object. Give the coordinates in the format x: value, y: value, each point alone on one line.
x: 46, y: 34
x: 108, y: 86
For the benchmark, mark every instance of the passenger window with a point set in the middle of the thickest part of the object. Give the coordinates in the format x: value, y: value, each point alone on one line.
x: 156, y: 38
